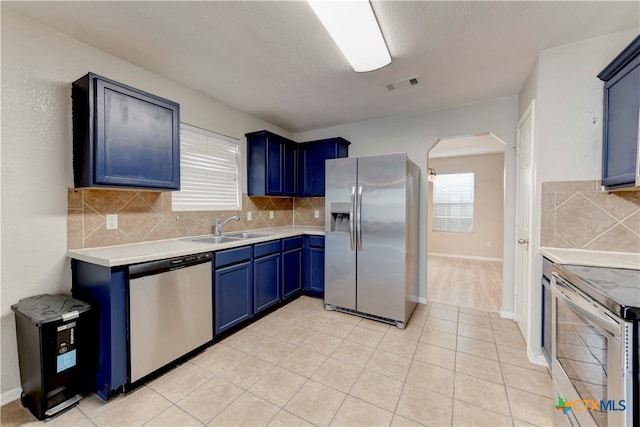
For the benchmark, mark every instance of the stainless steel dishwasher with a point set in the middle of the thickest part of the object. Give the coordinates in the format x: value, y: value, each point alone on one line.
x: 170, y: 311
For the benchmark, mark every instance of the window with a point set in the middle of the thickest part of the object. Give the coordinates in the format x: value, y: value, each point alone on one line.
x: 209, y: 172
x: 453, y: 202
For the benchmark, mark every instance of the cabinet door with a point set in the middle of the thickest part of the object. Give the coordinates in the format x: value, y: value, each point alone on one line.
x: 622, y: 108
x: 274, y: 169
x: 311, y: 164
x: 314, y: 266
x: 289, y: 169
x: 266, y: 282
x: 136, y: 138
x: 232, y: 297
x: 291, y: 272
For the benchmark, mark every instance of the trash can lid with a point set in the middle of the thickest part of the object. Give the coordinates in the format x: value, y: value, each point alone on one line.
x: 47, y: 308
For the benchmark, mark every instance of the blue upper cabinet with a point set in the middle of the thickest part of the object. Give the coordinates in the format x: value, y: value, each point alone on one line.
x: 124, y: 137
x: 620, y: 160
x: 271, y: 164
x: 311, y: 158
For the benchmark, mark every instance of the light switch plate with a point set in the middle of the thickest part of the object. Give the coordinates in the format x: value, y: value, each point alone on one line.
x: 249, y: 216
x: 112, y: 222
x: 270, y: 214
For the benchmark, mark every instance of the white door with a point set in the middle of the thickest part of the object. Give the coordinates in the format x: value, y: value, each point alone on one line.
x: 523, y: 217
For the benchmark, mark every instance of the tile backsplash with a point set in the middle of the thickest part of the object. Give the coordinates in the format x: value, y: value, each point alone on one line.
x: 578, y: 215
x: 147, y: 215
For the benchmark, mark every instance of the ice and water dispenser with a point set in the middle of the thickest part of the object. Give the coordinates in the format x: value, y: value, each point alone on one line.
x: 340, y: 217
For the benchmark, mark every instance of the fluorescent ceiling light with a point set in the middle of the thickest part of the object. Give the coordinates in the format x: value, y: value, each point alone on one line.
x: 354, y: 28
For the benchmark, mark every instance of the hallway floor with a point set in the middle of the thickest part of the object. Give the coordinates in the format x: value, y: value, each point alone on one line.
x: 302, y: 365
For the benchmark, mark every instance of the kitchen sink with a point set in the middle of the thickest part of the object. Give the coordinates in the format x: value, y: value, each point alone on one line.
x: 213, y: 239
x: 246, y: 235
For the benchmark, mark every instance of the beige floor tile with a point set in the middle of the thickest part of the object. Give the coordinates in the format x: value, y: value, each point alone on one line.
x: 441, y: 339
x: 479, y: 367
x: 173, y: 417
x: 396, y: 345
x: 506, y: 325
x: 247, y: 371
x: 14, y: 414
x: 444, y: 306
x: 207, y: 401
x: 400, y: 421
x: 465, y: 414
x: 179, y: 382
x: 293, y: 334
x: 475, y: 311
x: 246, y: 410
x: 355, y: 412
x: 435, y: 355
x: 345, y: 317
x: 287, y: 419
x: 365, y: 336
x: 425, y: 406
x: 531, y: 408
x: 476, y: 332
x: 482, y: 393
x: 373, y: 325
x: 472, y: 319
x: 304, y: 362
x: 314, y: 320
x: 509, y: 339
x: 278, y: 386
x: 412, y: 331
x: 440, y: 313
x: 322, y: 343
x: 92, y: 405
x: 431, y: 377
x: 217, y: 358
x: 244, y: 340
x: 528, y: 380
x: 273, y: 350
x: 389, y: 364
x: 477, y: 348
x: 377, y: 389
x: 441, y: 325
x: 316, y: 403
x: 139, y: 407
x: 353, y: 353
x: 517, y: 357
x: 337, y: 328
x: 337, y: 374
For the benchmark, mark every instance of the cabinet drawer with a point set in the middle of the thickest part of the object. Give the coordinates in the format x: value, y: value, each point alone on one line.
x: 233, y: 256
x: 291, y: 243
x: 316, y: 241
x: 262, y: 249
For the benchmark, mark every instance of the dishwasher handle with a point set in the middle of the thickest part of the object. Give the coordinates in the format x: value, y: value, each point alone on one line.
x: 169, y: 264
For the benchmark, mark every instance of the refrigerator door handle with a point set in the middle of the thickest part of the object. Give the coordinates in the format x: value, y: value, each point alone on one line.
x: 352, y: 234
x: 359, y: 220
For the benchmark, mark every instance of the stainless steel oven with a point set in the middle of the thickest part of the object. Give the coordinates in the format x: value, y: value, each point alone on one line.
x: 592, y: 355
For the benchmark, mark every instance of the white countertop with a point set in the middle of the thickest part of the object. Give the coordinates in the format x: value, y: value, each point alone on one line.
x: 592, y: 258
x: 112, y: 256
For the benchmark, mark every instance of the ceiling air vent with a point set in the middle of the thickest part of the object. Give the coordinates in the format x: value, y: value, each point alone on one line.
x: 412, y: 81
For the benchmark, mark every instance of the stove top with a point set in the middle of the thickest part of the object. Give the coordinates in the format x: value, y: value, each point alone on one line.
x: 616, y: 288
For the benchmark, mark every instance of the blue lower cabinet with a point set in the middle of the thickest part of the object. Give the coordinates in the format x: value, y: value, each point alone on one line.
x: 291, y: 267
x: 233, y: 287
x: 266, y: 275
x: 313, y: 255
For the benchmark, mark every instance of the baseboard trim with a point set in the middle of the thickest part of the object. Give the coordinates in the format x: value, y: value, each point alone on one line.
x: 10, y: 396
x: 477, y: 258
x: 507, y: 315
x: 422, y: 300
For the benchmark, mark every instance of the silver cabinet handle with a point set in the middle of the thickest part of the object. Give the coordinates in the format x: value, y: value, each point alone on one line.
x: 359, y: 223
x: 523, y: 241
x: 352, y: 235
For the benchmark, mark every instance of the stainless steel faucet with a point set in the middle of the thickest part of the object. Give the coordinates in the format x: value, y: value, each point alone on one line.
x: 219, y: 227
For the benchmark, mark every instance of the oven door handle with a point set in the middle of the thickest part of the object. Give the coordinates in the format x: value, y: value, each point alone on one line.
x: 586, y: 309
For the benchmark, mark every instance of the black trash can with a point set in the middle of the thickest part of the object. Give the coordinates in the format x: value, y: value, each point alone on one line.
x: 54, y: 352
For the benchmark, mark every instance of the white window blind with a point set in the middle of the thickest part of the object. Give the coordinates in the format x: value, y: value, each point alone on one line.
x: 453, y: 202
x: 209, y: 172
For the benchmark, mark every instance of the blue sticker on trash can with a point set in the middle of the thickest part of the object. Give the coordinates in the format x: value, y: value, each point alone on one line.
x: 66, y: 360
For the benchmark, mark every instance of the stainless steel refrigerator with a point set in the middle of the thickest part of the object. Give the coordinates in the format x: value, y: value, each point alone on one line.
x: 371, y: 243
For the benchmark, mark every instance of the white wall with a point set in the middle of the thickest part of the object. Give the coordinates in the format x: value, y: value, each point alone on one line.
x: 416, y: 133
x: 568, y: 131
x: 38, y: 66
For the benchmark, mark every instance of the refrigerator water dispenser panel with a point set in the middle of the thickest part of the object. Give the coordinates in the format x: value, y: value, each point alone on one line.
x: 340, y: 216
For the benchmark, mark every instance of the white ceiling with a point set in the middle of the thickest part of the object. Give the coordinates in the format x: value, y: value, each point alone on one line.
x: 275, y: 61
x: 467, y: 146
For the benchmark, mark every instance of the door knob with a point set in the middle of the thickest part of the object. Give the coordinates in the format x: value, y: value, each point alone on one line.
x: 523, y: 241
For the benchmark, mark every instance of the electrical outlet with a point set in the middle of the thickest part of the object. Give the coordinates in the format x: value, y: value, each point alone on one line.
x: 112, y: 222
x: 270, y: 214
x: 316, y: 214
x: 249, y: 216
